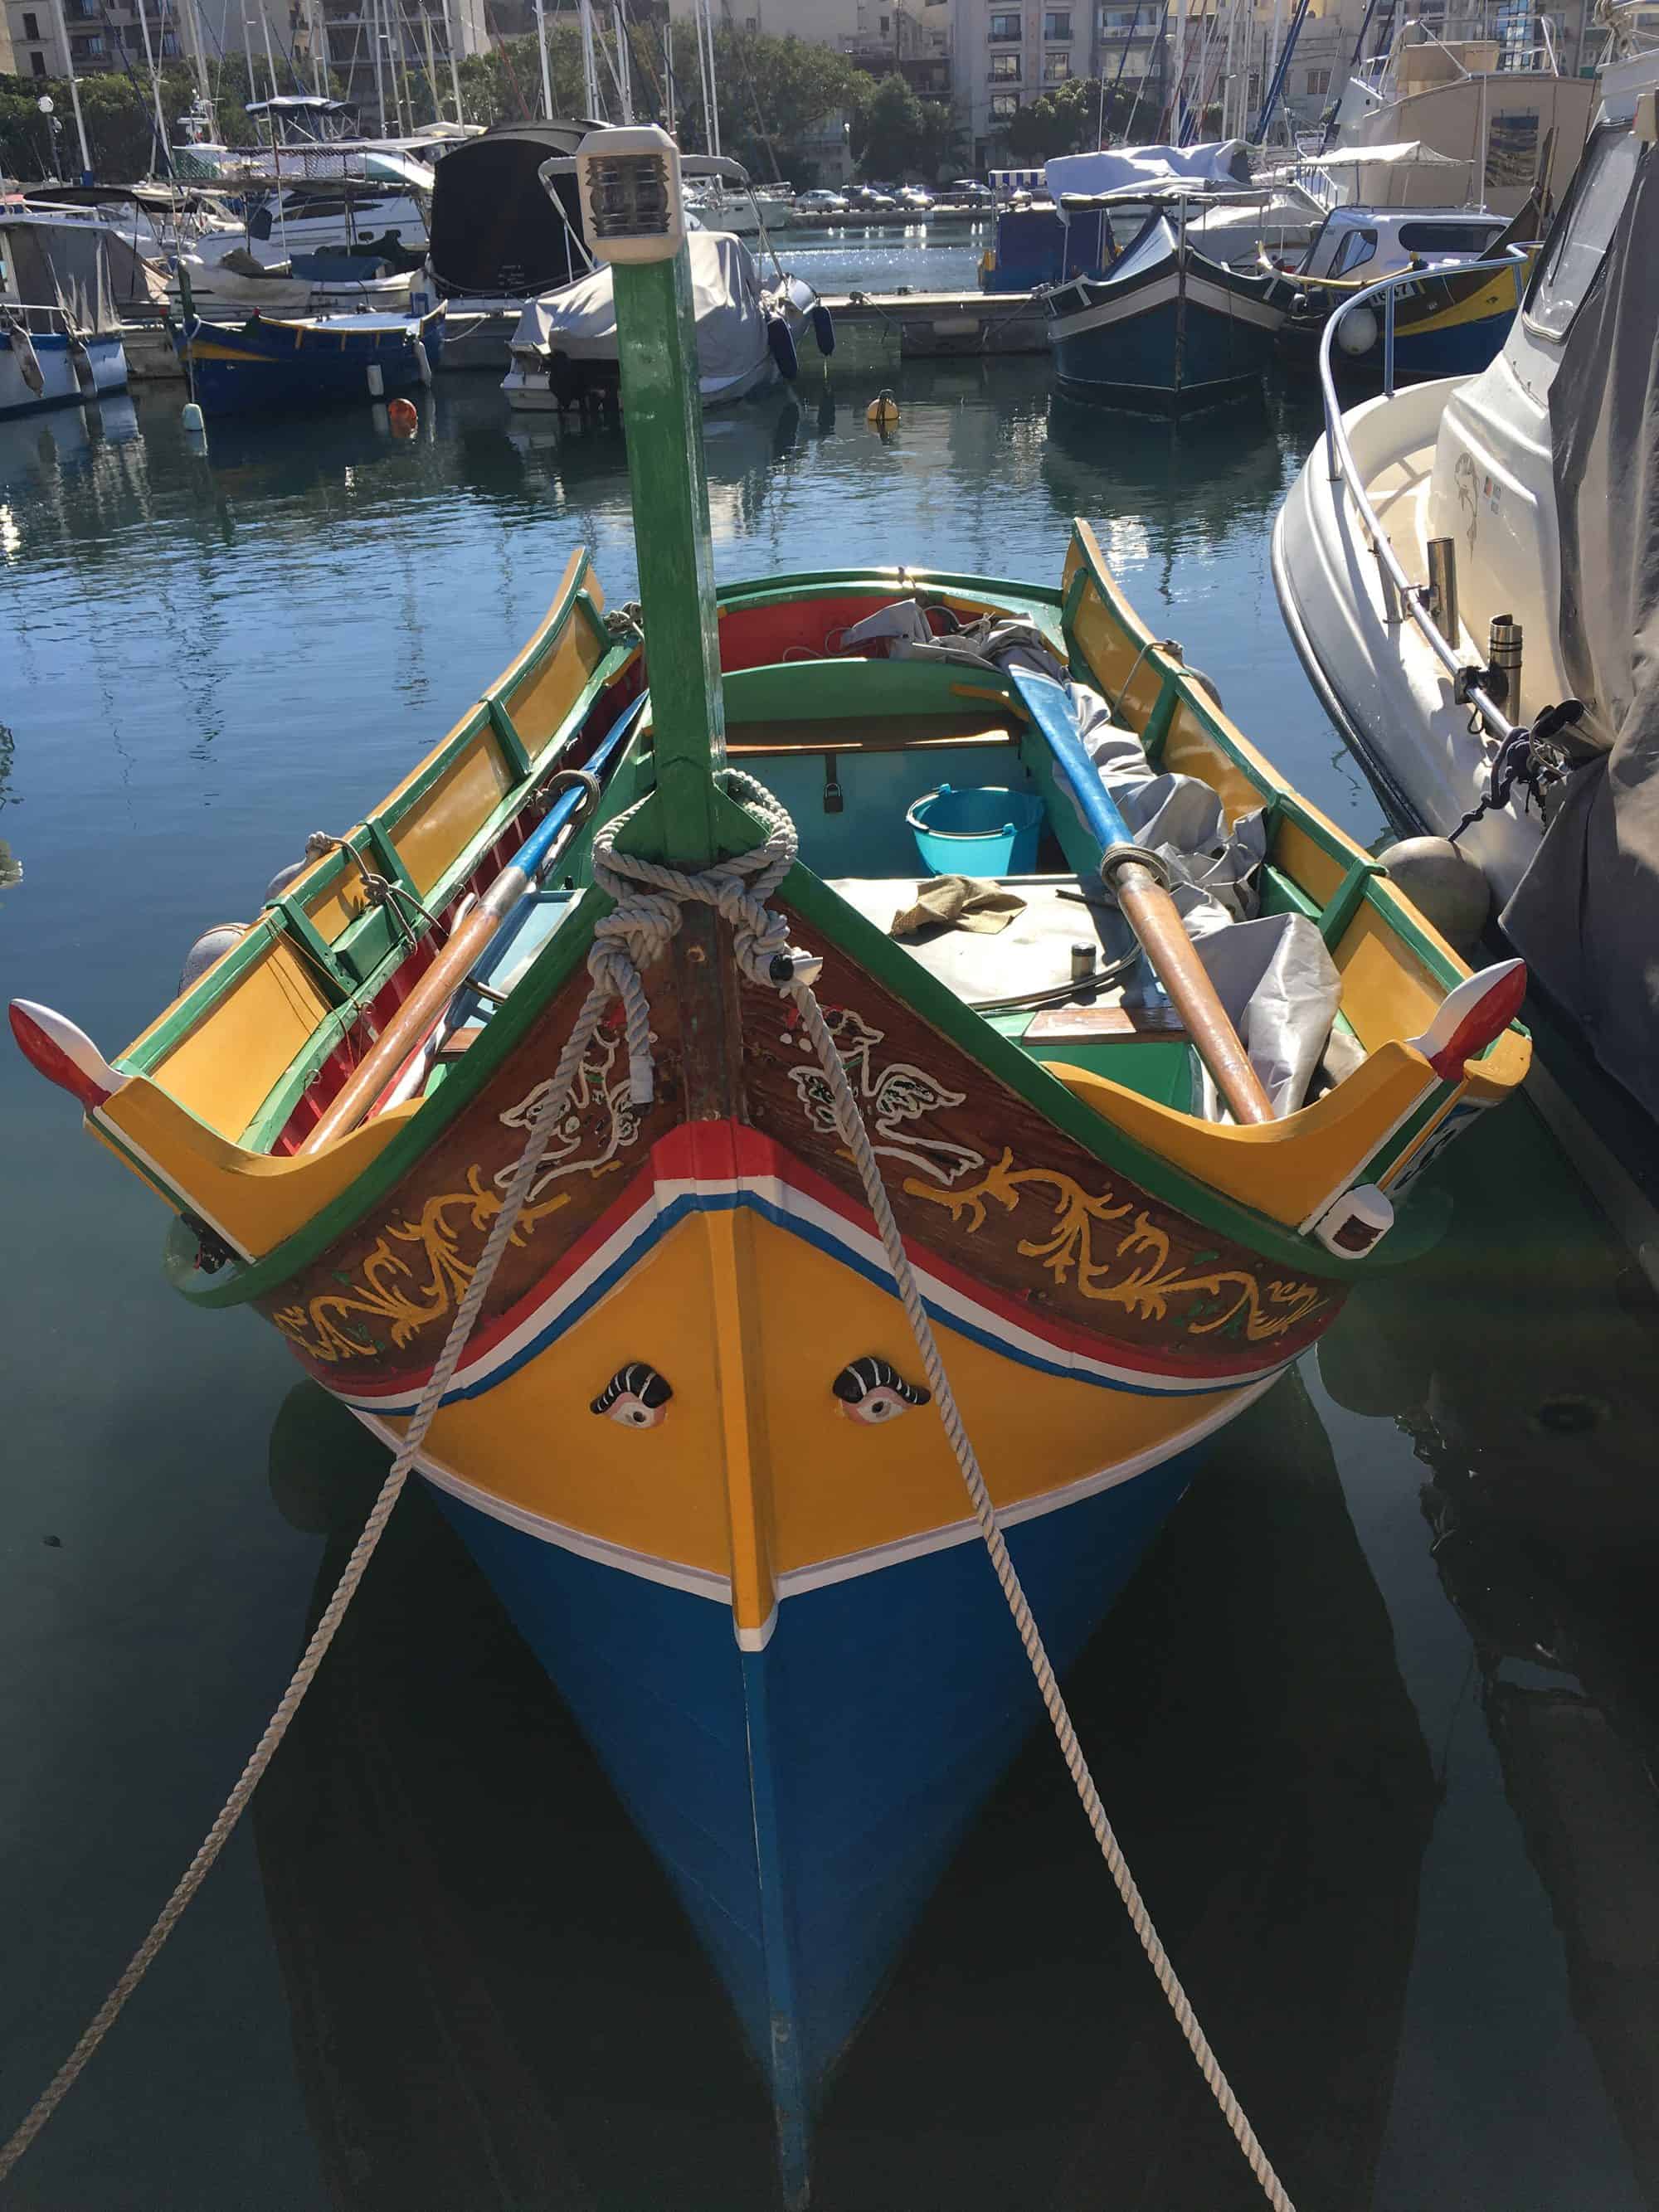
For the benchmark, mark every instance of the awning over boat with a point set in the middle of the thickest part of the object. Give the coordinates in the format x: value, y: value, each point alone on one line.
x: 581, y: 320
x: 494, y: 233
x: 1405, y: 154
x: 1586, y: 913
x: 1122, y: 168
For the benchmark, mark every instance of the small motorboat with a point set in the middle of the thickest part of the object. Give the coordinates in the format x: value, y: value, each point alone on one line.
x: 1448, y: 321
x: 1128, y: 1094
x: 1461, y: 568
x: 1163, y: 327
x: 286, y: 362
x: 565, y: 348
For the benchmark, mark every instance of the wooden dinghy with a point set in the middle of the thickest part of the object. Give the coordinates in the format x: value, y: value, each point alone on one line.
x: 689, y: 1438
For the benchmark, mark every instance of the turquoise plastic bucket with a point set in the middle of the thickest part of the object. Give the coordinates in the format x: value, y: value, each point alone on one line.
x: 983, y: 829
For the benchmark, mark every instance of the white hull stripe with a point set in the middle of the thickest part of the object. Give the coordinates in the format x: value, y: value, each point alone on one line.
x: 1201, y: 292
x: 666, y: 1203
x: 702, y: 1582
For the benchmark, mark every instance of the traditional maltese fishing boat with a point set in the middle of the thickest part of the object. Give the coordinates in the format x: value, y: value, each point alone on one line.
x: 670, y: 906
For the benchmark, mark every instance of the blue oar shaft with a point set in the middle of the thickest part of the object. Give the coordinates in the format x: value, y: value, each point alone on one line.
x: 1132, y: 877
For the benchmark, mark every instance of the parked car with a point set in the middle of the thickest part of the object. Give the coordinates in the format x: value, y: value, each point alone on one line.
x: 975, y: 194
x: 867, y: 198
x: 820, y: 202
x: 916, y: 200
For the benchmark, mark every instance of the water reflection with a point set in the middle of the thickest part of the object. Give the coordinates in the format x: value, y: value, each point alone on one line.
x: 1519, y: 1359
x: 496, y: 2000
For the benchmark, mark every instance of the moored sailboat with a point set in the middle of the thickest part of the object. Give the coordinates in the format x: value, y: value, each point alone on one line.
x: 691, y: 1437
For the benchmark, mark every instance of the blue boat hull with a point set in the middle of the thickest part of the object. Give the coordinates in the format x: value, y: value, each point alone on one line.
x: 1178, y: 334
x: 805, y: 1797
x: 265, y: 366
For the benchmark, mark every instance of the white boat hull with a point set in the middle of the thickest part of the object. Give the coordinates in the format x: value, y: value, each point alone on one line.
x: 60, y: 382
x: 1387, y: 693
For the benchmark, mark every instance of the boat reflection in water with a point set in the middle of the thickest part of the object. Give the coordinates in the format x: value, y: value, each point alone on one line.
x: 1535, y: 1416
x: 497, y: 2000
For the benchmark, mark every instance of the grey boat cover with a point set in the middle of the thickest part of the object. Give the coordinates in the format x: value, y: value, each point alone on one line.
x: 580, y: 319
x: 67, y: 265
x: 1585, y: 916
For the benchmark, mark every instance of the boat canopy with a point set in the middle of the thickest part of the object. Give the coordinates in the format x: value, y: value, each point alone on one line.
x: 1585, y: 916
x: 580, y: 319
x: 493, y: 230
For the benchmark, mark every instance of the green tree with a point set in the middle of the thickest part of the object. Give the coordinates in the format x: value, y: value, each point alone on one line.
x: 887, y: 129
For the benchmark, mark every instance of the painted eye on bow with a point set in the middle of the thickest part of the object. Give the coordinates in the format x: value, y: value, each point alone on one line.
x: 636, y: 1395
x: 871, y: 1392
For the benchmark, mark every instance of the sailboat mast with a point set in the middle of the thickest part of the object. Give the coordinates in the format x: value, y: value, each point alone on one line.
x: 75, y: 89
x: 711, y: 93
x: 451, y: 31
x: 155, y: 85
x: 589, y: 63
x: 541, y: 49
x: 624, y: 72
x: 1177, y: 108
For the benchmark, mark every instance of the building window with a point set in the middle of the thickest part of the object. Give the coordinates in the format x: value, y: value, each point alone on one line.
x: 1004, y: 27
x: 1004, y: 68
x: 38, y: 63
x: 1004, y: 105
x: 886, y: 26
x: 1057, y: 23
x: 31, y: 27
x: 1056, y: 68
x: 169, y: 46
x: 87, y: 49
x: 1319, y: 84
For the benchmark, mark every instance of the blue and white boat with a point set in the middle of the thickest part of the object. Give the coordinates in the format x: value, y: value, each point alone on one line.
x: 307, y: 362
x: 1164, y: 328
x: 60, y: 334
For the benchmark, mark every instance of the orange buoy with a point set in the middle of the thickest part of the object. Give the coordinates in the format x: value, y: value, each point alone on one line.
x: 882, y: 414
x: 403, y: 416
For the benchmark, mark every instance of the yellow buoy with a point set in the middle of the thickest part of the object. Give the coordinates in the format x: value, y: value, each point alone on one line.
x: 883, y: 412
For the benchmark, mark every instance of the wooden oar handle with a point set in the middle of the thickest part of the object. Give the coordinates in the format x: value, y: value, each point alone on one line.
x: 1151, y: 915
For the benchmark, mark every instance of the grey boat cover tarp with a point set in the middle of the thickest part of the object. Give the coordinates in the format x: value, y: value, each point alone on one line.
x: 67, y: 265
x: 580, y: 319
x: 1585, y: 916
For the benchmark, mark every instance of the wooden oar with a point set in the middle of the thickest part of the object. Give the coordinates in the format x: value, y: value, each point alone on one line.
x: 461, y: 952
x: 1146, y: 905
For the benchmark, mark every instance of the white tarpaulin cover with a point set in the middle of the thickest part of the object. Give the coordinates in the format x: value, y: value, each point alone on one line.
x: 1405, y: 154
x: 1121, y: 168
x: 580, y: 319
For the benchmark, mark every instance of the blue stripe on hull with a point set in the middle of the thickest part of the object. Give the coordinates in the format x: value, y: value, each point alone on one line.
x: 1132, y: 363
x: 1461, y: 350
x: 805, y: 1799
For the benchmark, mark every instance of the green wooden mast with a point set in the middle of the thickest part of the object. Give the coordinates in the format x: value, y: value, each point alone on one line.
x: 635, y: 216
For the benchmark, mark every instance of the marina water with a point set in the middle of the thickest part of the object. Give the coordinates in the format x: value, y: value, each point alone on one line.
x: 1377, y: 1719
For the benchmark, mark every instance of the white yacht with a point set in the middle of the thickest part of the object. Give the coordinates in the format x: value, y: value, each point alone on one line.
x: 1460, y: 567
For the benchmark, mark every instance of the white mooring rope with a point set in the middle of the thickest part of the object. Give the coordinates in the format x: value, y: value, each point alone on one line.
x: 649, y: 903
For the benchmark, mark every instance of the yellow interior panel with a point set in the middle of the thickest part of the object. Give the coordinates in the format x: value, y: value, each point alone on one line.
x: 223, y: 1068
x: 540, y: 699
x: 442, y: 822
x: 1385, y: 993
